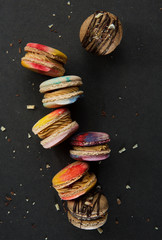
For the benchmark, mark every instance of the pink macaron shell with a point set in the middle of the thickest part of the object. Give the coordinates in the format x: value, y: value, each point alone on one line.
x: 60, y: 138
x: 90, y: 157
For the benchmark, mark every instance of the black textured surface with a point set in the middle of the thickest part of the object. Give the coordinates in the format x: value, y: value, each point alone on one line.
x: 126, y: 85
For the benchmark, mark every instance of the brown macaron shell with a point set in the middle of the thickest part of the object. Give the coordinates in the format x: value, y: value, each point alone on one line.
x: 101, y: 33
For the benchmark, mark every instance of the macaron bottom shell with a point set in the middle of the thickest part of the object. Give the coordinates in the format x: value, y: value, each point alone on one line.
x: 60, y: 103
x: 35, y: 67
x: 87, y: 224
x: 89, y: 157
x: 65, y: 133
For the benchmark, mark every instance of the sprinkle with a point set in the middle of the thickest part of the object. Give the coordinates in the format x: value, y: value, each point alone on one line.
x: 156, y: 228
x: 100, y: 230
x: 57, y: 207
x: 29, y: 136
x: 118, y: 201
x: 135, y: 146
x: 68, y: 3
x: 27, y: 146
x: 50, y: 26
x: 27, y: 199
x: 14, y: 151
x: 27, y: 211
x: 98, y: 15
x: 111, y: 26
x: 128, y: 187
x: 53, y: 14
x: 33, y: 203
x: 30, y: 106
x: 3, y: 128
x: 8, y: 212
x: 122, y: 150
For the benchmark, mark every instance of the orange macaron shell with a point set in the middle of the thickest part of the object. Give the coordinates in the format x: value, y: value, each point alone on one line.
x: 69, y: 174
x: 78, y: 188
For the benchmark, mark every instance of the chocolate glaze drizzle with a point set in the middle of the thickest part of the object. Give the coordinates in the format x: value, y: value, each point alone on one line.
x: 98, y: 34
x: 87, y: 209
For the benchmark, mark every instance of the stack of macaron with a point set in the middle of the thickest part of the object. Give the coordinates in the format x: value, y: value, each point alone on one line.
x: 87, y: 207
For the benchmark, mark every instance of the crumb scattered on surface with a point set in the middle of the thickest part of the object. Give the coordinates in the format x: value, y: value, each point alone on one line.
x: 3, y: 128
x: 53, y: 14
x: 100, y: 230
x: 33, y: 203
x: 27, y: 211
x: 137, y: 114
x: 40, y: 169
x: 50, y: 26
x: 21, y: 185
x: 116, y: 221
x: 156, y: 228
x: 118, y: 201
x: 120, y: 98
x: 20, y: 41
x: 27, y: 199
x: 27, y: 146
x: 48, y: 166
x: 57, y: 207
x: 113, y: 116
x: 9, y: 139
x: 7, y: 52
x: 135, y: 146
x: 122, y: 150
x: 68, y: 3
x: 30, y: 106
x: 29, y: 136
x: 11, y: 44
x: 8, y: 212
x: 17, y: 95
x: 69, y: 16
x: 103, y: 113
x: 128, y: 186
x: 14, y: 151
x: 20, y: 50
x: 60, y: 36
x: 148, y: 220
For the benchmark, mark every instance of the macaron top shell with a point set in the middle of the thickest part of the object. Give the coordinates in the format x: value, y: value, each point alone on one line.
x: 90, y: 206
x: 70, y: 174
x: 40, y: 47
x: 90, y: 139
x: 60, y: 82
x: 49, y: 119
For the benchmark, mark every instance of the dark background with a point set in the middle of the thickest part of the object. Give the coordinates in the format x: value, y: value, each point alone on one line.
x: 122, y: 97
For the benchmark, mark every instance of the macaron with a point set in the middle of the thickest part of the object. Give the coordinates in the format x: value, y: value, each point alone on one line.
x: 101, y: 33
x: 74, y: 180
x: 90, y: 146
x: 44, y: 60
x: 55, y: 127
x: 61, y: 91
x: 89, y: 211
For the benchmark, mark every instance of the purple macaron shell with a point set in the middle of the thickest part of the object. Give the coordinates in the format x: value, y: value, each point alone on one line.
x: 89, y: 157
x: 90, y: 139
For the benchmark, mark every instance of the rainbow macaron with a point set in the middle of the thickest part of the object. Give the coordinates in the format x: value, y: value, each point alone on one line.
x: 90, y: 146
x: 89, y: 211
x: 44, y: 60
x: 74, y: 180
x: 55, y: 127
x: 61, y: 91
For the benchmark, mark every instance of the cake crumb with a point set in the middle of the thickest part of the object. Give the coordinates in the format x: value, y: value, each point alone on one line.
x: 128, y: 186
x: 69, y: 16
x: 50, y: 26
x: 53, y: 14
x: 20, y: 50
x: 27, y: 147
x: 14, y: 151
x: 98, y: 15
x: 116, y: 221
x: 21, y: 185
x: 7, y: 52
x: 68, y: 3
x: 33, y: 203
x: 118, y: 201
x: 111, y: 26
x: 135, y: 146
x: 57, y: 207
x: 122, y: 150
x: 60, y: 36
x: 11, y: 44
x: 40, y: 169
x: 156, y: 228
x: 3, y: 128
x: 100, y: 230
x: 27, y: 211
x: 8, y: 212
x: 29, y: 136
x: 30, y: 107
x: 48, y: 166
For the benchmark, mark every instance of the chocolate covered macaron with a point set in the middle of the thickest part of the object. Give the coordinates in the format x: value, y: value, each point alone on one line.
x: 89, y: 211
x: 101, y: 33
